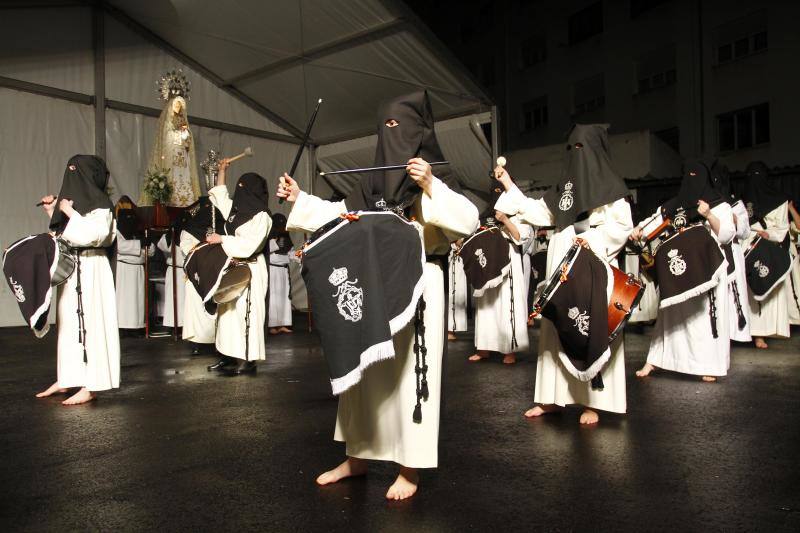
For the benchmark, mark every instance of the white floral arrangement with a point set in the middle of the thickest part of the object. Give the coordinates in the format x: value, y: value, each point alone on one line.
x: 157, y: 185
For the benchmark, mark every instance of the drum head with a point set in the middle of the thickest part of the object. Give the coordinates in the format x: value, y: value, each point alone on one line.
x: 233, y: 284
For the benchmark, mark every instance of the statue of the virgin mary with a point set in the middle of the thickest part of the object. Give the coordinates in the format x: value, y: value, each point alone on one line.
x: 173, y: 151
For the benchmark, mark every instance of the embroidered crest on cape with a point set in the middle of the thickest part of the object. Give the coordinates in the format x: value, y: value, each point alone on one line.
x: 349, y: 297
x: 680, y: 219
x: 197, y: 277
x: 676, y: 263
x: 566, y: 200
x: 581, y: 320
x: 763, y: 270
x: 481, y: 257
x: 381, y: 204
x: 19, y: 294
x: 230, y: 218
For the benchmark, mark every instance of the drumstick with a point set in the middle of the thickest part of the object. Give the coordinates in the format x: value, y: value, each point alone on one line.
x: 40, y: 204
x: 370, y: 169
x: 247, y: 153
x: 306, y: 136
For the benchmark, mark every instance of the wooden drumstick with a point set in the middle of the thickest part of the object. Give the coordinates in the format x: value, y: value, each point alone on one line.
x: 247, y: 153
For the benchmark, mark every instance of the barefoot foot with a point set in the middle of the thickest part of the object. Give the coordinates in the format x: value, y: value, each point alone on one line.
x: 589, y: 417
x: 405, y: 486
x: 451, y: 336
x: 82, y: 396
x: 760, y: 343
x: 540, y: 410
x: 482, y: 354
x: 274, y: 331
x: 645, y: 370
x: 351, y: 467
x: 284, y: 329
x: 709, y: 379
x: 53, y: 389
x: 509, y: 359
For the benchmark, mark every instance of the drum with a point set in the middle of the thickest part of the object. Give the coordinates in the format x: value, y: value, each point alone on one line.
x: 215, y: 276
x: 486, y: 259
x: 65, y: 265
x: 688, y: 264
x: 767, y: 264
x: 624, y: 298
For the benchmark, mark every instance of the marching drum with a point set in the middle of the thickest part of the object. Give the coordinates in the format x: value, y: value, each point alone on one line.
x: 65, y: 266
x: 687, y: 264
x: 624, y: 297
x: 216, y: 276
x: 767, y: 264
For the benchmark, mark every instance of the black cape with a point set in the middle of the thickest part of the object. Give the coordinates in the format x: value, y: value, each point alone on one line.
x: 405, y: 130
x: 588, y: 180
x: 760, y: 196
x: 249, y: 199
x: 687, y: 265
x: 85, y: 182
x: 766, y: 266
x: 486, y: 259
x: 361, y: 290
x: 578, y: 310
x: 204, y: 267
x: 28, y: 265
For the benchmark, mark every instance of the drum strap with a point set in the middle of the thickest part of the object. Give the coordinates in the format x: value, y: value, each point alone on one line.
x: 712, y: 312
x: 79, y: 291
x: 738, y: 302
x: 421, y: 364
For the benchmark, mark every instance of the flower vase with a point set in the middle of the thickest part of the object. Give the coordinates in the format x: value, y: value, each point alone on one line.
x: 160, y: 215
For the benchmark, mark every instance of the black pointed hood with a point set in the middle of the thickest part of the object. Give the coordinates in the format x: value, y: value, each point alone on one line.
x: 760, y: 196
x: 696, y: 185
x: 249, y: 199
x: 85, y: 182
x: 588, y: 180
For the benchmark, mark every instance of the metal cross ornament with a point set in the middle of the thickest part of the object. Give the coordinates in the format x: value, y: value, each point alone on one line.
x: 210, y: 166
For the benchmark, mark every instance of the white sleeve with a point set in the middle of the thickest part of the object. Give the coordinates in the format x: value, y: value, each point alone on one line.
x: 221, y: 199
x: 777, y: 222
x: 534, y: 212
x: 525, y: 231
x: 163, y: 246
x: 742, y: 221
x: 448, y: 210
x: 249, y: 237
x: 91, y: 230
x: 615, y: 229
x: 726, y: 228
x: 188, y: 241
x: 310, y: 213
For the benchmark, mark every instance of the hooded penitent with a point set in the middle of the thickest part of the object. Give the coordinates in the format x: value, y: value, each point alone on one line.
x: 721, y: 180
x: 696, y: 185
x: 127, y: 223
x: 588, y: 180
x: 405, y: 130
x: 279, y: 233
x: 85, y: 182
x: 760, y: 196
x: 249, y: 199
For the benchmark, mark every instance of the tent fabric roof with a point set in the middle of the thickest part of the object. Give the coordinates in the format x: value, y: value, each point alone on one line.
x: 283, y: 55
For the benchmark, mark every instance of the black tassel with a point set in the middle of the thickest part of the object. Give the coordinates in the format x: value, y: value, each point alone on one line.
x: 417, y: 414
x: 712, y: 312
x: 597, y: 382
x: 742, y: 320
x: 425, y: 393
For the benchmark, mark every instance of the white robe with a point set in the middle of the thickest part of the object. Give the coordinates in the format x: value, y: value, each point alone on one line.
x: 375, y: 417
x: 770, y: 317
x: 199, y: 327
x: 169, y: 315
x: 742, y: 235
x: 130, y: 282
x: 554, y: 384
x: 280, y: 304
x: 457, y: 295
x: 101, y: 371
x: 794, y: 296
x: 249, y: 239
x: 682, y: 340
x: 493, y: 327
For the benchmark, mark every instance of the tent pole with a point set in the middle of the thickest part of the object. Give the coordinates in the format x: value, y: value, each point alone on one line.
x: 98, y: 46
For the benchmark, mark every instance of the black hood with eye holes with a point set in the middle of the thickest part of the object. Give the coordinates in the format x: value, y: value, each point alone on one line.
x: 85, y: 182
x: 405, y: 130
x: 588, y: 180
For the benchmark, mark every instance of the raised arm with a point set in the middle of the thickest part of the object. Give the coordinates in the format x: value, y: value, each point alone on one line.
x: 94, y: 229
x: 514, y: 202
x: 308, y: 213
x: 448, y: 210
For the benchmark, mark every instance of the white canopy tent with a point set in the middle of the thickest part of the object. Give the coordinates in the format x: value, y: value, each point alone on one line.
x: 79, y: 77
